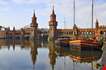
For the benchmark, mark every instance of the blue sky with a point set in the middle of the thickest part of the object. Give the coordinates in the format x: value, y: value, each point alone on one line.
x: 18, y: 13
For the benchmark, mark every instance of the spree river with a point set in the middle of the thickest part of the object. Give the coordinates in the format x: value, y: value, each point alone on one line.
x: 42, y: 55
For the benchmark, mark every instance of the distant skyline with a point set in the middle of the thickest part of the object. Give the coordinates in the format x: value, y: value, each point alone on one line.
x: 19, y: 13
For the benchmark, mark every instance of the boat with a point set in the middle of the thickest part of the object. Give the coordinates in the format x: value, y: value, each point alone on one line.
x: 86, y: 44
x: 77, y: 41
x: 63, y: 41
x: 93, y: 43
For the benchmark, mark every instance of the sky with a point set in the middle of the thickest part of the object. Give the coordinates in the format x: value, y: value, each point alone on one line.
x: 19, y: 13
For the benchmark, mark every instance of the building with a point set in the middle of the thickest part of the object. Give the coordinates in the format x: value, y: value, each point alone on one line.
x: 52, y: 32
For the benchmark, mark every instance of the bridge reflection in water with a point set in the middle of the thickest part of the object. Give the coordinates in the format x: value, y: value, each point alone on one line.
x: 42, y: 55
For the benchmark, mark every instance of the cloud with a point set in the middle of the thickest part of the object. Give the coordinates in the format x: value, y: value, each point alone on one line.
x: 29, y: 1
x: 4, y: 5
x: 3, y: 2
x: 24, y: 1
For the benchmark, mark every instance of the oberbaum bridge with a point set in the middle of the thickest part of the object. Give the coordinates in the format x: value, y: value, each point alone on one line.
x: 34, y: 32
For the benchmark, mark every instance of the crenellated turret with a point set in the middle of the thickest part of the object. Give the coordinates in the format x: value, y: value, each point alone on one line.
x: 53, y: 21
x: 34, y: 21
x: 34, y: 25
x: 52, y: 26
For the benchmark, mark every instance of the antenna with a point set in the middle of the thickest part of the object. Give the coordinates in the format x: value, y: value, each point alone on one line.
x: 74, y: 12
x: 52, y: 3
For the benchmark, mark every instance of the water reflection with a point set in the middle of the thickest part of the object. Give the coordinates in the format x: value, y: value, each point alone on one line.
x: 41, y: 55
x: 34, y: 52
x: 52, y: 53
x: 77, y: 56
x: 81, y: 56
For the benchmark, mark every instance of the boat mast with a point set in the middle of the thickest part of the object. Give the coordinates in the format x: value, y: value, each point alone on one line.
x: 74, y: 12
x: 92, y: 12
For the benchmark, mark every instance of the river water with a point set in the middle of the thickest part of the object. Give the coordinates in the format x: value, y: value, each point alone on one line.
x: 34, y: 55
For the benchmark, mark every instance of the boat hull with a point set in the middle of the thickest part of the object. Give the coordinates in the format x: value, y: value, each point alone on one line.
x: 85, y: 44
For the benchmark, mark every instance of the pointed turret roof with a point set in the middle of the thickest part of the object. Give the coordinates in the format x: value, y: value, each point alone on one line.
x: 53, y: 12
x: 97, y: 21
x: 34, y: 14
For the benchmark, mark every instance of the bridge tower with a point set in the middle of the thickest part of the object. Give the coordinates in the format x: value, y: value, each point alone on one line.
x: 34, y: 26
x: 52, y: 26
x: 75, y: 31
